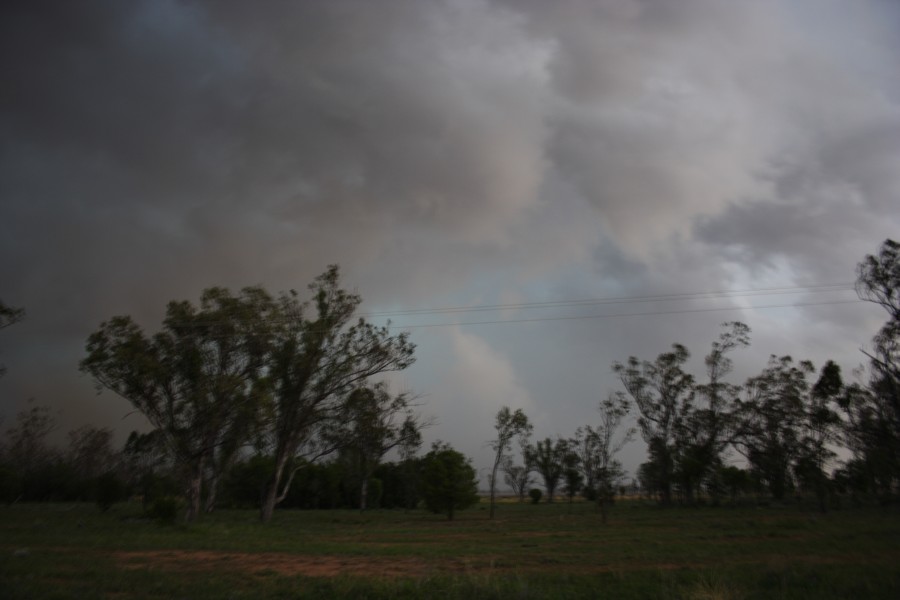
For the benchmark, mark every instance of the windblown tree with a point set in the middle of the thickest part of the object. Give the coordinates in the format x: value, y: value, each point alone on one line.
x: 374, y: 423
x: 771, y: 416
x: 519, y: 477
x: 819, y: 428
x: 662, y: 392
x: 508, y: 425
x: 316, y: 361
x: 706, y: 427
x: 194, y: 380
x: 874, y: 411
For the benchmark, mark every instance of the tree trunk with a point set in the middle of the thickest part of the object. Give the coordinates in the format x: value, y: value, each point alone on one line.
x: 195, y: 487
x: 211, y: 494
x: 270, y: 499
x: 363, y: 493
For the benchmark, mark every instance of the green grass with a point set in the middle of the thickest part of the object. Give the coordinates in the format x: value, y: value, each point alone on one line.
x: 543, y: 551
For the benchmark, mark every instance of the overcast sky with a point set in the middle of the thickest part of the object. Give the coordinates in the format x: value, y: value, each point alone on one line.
x: 460, y: 153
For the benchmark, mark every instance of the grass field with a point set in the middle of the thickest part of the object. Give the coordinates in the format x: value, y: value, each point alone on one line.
x: 543, y: 551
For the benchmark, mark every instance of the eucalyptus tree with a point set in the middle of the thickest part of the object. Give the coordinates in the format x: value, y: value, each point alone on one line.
x: 771, y: 415
x: 316, y: 361
x: 873, y: 408
x: 819, y: 428
x: 706, y: 426
x: 196, y: 379
x: 663, y: 393
x: 508, y: 425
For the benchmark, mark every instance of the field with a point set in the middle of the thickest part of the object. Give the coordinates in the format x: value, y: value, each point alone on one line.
x: 543, y: 551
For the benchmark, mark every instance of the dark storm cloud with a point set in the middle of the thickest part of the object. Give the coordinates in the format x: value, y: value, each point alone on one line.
x: 444, y: 153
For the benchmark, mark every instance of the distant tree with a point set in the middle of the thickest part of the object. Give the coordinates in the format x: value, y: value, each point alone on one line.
x: 316, y: 362
x: 663, y: 393
x: 573, y: 480
x: 449, y: 482
x: 194, y: 379
x: 819, y: 428
x: 508, y: 425
x: 613, y: 410
x: 91, y: 452
x: 549, y: 460
x: 373, y: 423
x: 517, y: 477
x: 26, y: 445
x: 9, y: 316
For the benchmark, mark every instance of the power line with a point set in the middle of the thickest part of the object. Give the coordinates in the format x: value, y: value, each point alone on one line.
x: 623, y: 315
x: 809, y: 289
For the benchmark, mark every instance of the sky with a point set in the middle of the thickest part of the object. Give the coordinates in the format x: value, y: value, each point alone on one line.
x: 709, y: 160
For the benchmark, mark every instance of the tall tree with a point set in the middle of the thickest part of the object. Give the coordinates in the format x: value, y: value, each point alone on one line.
x: 194, y: 378
x: 508, y: 425
x: 818, y: 429
x: 874, y: 412
x: 706, y: 428
x: 771, y: 417
x: 662, y: 392
x: 316, y: 362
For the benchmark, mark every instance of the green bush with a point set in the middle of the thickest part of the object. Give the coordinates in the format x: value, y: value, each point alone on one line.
x: 535, y: 495
x: 165, y: 509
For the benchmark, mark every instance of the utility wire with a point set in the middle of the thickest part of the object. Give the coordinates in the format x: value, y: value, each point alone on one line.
x: 809, y: 289
x: 622, y: 315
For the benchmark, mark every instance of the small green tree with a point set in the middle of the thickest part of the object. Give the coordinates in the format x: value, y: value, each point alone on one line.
x: 449, y: 481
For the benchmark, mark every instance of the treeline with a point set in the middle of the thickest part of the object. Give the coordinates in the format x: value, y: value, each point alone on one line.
x: 795, y: 430
x: 261, y: 400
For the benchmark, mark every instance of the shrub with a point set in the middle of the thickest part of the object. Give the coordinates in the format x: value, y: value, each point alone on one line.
x: 165, y: 509
x: 535, y: 495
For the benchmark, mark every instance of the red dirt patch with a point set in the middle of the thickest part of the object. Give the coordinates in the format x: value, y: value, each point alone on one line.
x: 283, y: 564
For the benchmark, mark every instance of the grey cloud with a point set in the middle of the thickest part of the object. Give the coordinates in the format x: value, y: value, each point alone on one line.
x: 444, y: 153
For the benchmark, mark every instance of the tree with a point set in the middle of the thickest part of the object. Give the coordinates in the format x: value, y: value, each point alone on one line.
x: 508, y: 425
x: 875, y: 414
x: 315, y: 363
x: 818, y: 428
x: 195, y: 380
x: 771, y: 417
x: 663, y: 393
x: 9, y: 316
x: 90, y: 450
x: 374, y: 423
x: 613, y: 411
x: 449, y: 482
x: 704, y: 431
x: 549, y: 459
x: 517, y: 477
